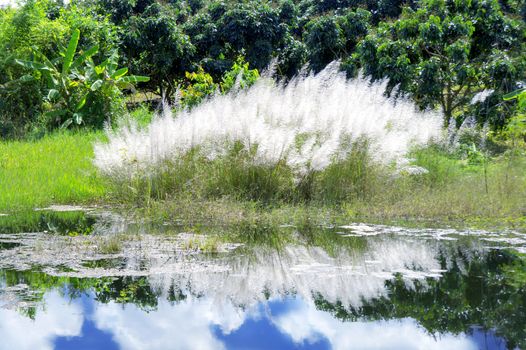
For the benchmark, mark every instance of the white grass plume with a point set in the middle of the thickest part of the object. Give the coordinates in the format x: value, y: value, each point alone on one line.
x: 307, y: 123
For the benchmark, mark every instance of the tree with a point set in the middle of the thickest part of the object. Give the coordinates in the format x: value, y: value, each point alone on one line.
x: 254, y: 28
x: 445, y: 52
x: 325, y: 41
x: 156, y: 46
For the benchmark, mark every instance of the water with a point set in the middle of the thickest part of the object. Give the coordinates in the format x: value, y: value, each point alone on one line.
x: 349, y: 287
x: 306, y: 124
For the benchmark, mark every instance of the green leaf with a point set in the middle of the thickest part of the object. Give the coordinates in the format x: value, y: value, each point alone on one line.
x: 56, y: 113
x: 122, y: 85
x: 26, y: 78
x: 99, y: 69
x: 135, y: 79
x: 87, y: 54
x: 81, y: 103
x: 96, y: 85
x: 66, y: 123
x: 33, y: 65
x: 119, y: 73
x: 112, y: 62
x: 70, y: 52
x: 73, y: 84
x: 53, y: 94
x: 77, y: 117
x: 514, y: 94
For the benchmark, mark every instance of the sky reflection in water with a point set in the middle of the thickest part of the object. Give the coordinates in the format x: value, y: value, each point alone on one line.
x: 197, y: 323
x: 352, y: 287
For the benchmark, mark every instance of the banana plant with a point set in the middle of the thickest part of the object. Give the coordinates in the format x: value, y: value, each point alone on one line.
x: 519, y: 95
x: 516, y: 127
x: 107, y: 77
x: 73, y: 78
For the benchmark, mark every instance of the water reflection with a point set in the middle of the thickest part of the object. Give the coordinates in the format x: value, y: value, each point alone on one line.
x: 197, y: 323
x: 61, y: 319
x: 361, y: 287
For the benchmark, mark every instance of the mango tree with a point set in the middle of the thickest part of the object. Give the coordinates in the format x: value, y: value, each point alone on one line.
x: 445, y: 52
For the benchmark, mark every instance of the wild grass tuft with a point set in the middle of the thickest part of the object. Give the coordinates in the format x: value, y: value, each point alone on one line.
x: 453, y: 190
x: 111, y: 244
x: 237, y: 176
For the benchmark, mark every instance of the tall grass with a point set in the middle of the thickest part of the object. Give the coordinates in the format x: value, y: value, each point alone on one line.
x: 227, y: 191
x: 307, y: 125
x: 237, y: 176
x: 453, y: 189
x: 57, y: 169
x: 320, y: 140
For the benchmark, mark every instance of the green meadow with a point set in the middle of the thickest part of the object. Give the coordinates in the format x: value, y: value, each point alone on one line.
x: 56, y: 169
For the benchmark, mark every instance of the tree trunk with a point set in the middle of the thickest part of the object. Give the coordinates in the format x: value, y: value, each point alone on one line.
x: 447, y: 103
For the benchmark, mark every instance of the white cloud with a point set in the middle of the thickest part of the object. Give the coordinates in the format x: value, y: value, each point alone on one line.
x: 185, y: 326
x: 60, y: 318
x: 305, y: 323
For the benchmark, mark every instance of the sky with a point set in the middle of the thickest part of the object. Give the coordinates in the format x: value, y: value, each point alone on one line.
x: 200, y: 323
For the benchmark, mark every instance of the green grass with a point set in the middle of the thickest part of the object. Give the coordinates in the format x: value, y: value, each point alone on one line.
x: 238, y: 176
x: 456, y: 191
x: 56, y: 169
x: 72, y: 223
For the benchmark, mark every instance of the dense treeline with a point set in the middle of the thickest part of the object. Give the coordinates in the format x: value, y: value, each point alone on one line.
x: 440, y: 52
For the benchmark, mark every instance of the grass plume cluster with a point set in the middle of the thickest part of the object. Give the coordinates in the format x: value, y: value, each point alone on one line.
x: 319, y: 138
x: 307, y: 125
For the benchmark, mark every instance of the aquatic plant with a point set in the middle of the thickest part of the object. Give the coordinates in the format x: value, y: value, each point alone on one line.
x: 308, y: 124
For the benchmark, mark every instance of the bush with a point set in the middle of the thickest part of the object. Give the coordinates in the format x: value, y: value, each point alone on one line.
x: 201, y: 84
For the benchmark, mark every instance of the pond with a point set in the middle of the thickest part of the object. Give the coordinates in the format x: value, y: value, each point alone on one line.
x: 95, y: 280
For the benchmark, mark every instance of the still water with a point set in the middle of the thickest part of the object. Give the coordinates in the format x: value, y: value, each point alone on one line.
x: 96, y: 281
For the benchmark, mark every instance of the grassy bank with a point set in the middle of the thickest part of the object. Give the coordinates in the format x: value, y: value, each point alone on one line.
x: 456, y: 190
x: 57, y: 169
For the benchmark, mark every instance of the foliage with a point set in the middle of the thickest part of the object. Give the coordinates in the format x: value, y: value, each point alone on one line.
x: 439, y: 52
x: 520, y: 96
x: 201, y: 85
x: 155, y: 45
x: 253, y: 27
x: 42, y: 27
x: 20, y: 30
x: 331, y: 37
x: 516, y: 128
x: 444, y: 52
x: 77, y: 88
x: 323, y: 36
x: 239, y: 77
